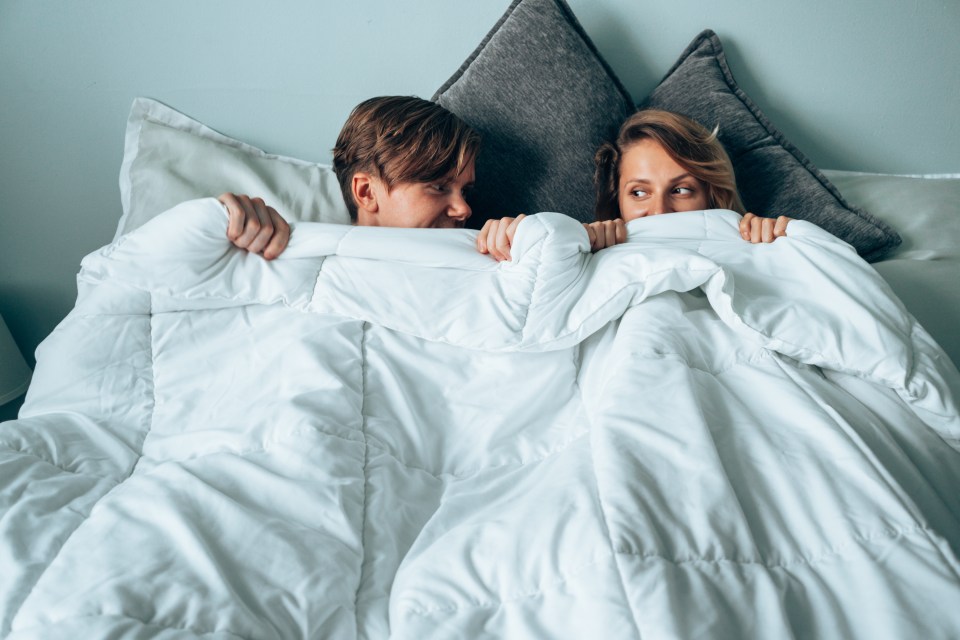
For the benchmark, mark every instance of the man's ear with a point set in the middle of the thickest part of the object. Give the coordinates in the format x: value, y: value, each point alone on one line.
x: 363, y: 189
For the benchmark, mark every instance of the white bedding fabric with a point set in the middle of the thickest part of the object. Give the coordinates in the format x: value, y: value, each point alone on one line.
x: 384, y: 433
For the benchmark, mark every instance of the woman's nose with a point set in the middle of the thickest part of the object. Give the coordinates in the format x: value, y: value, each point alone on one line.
x: 660, y: 205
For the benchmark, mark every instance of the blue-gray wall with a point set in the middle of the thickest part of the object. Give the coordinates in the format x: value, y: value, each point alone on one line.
x: 867, y: 85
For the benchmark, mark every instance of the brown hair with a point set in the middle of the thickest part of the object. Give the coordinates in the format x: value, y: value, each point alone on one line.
x: 686, y: 141
x: 401, y: 139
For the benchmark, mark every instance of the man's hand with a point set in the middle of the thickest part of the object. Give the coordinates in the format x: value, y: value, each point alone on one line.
x: 606, y: 233
x: 254, y: 226
x: 496, y: 236
x: 756, y: 229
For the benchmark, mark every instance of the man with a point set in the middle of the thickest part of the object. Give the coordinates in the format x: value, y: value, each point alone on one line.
x: 401, y: 162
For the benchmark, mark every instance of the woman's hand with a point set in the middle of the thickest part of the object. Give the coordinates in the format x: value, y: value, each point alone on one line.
x: 756, y: 229
x: 606, y: 233
x: 254, y: 226
x: 496, y: 236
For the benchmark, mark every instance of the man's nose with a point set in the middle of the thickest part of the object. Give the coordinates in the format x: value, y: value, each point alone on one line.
x: 459, y: 209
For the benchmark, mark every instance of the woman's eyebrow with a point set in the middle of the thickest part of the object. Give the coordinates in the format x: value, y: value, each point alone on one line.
x: 678, y: 178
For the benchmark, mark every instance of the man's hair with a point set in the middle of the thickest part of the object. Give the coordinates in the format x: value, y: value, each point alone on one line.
x: 401, y: 139
x: 690, y: 145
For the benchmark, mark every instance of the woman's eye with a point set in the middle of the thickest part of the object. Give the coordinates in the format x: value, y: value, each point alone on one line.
x: 638, y: 193
x: 684, y: 191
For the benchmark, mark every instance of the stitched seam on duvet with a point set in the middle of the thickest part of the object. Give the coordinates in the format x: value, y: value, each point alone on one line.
x: 368, y: 441
x: 552, y: 584
x: 30, y: 454
x: 603, y: 515
x: 735, y: 489
x: 16, y: 612
x: 372, y: 441
x: 291, y: 437
x: 366, y: 461
x: 142, y: 622
x: 153, y: 394
x: 867, y: 537
x: 762, y: 353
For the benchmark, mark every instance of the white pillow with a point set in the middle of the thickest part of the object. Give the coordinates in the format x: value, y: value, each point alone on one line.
x: 169, y: 158
x: 924, y: 271
x: 924, y: 210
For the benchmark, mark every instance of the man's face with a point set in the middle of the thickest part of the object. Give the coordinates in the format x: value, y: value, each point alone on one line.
x: 440, y: 204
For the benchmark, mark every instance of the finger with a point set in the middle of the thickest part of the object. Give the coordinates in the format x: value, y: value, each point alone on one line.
x: 492, y: 231
x: 512, y: 228
x: 610, y: 233
x: 746, y: 225
x: 621, y: 231
x: 591, y: 236
x: 249, y: 223
x: 281, y: 235
x: 766, y: 229
x: 780, y: 230
x: 482, y: 237
x: 502, y: 242
x: 598, y: 236
x: 592, y: 232
x: 756, y: 230
x: 234, y: 215
x: 265, y: 232
x: 492, y: 240
x: 491, y: 237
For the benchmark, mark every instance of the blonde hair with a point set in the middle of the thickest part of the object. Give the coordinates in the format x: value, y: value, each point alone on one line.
x: 401, y: 139
x: 690, y: 145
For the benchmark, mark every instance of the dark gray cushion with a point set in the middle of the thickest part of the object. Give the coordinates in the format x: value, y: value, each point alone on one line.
x: 542, y: 97
x: 773, y: 177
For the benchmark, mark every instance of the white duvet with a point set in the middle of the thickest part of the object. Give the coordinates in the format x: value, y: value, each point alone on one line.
x: 386, y: 434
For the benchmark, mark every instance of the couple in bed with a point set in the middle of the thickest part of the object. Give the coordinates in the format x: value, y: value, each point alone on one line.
x: 407, y: 162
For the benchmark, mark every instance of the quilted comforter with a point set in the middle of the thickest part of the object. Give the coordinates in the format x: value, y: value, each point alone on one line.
x: 386, y: 434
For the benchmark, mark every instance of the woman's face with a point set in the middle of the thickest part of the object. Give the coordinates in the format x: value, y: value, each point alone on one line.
x: 651, y: 183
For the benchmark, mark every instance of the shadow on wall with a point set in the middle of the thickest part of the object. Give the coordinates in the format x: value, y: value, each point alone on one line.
x: 629, y: 58
x: 9, y: 411
x: 822, y: 152
x: 616, y: 43
x: 28, y: 319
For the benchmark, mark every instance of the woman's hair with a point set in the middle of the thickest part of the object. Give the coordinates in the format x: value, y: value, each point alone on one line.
x: 401, y: 139
x: 686, y: 141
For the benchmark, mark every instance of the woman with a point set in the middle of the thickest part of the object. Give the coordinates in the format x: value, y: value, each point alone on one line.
x: 661, y: 162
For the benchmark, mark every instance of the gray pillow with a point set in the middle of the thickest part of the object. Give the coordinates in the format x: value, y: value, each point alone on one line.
x: 543, y: 98
x: 773, y: 177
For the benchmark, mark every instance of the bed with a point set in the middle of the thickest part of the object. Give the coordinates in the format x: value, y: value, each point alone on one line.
x: 384, y: 433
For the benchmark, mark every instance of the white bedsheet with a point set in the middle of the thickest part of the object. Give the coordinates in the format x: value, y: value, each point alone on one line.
x: 384, y: 433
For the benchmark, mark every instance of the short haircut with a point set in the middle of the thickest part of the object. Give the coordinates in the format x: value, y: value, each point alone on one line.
x: 401, y: 139
x: 690, y: 145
